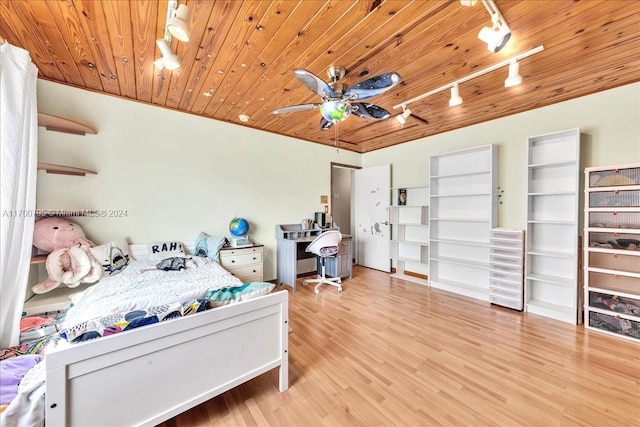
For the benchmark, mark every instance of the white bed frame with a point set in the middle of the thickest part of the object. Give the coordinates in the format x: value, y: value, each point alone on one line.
x: 148, y: 375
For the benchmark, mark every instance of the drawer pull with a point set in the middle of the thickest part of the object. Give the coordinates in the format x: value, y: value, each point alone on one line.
x: 254, y: 258
x: 232, y: 261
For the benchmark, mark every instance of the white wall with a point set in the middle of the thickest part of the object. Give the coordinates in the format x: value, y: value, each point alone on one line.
x: 609, y: 120
x: 177, y: 174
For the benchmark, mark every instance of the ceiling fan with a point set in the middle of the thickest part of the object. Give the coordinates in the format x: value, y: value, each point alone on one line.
x: 338, y: 101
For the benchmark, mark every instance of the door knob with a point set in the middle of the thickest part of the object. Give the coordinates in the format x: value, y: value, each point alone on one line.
x: 385, y: 222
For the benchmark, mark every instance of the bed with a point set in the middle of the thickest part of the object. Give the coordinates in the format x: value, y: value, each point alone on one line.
x: 150, y: 374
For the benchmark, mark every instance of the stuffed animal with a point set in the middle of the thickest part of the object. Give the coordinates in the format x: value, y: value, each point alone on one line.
x: 69, y: 261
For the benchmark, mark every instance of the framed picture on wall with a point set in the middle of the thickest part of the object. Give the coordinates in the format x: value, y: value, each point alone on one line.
x: 402, y: 196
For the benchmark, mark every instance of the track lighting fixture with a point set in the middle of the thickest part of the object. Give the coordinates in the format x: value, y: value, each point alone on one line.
x: 169, y: 60
x: 455, y: 99
x: 178, y: 25
x: 513, y: 79
x: 402, y: 118
x: 496, y: 36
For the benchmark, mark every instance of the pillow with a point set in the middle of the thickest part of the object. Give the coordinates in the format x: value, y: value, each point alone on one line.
x: 209, y: 246
x: 230, y: 295
x: 162, y: 250
x: 113, y: 256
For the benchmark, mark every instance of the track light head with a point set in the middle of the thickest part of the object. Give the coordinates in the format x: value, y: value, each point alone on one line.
x: 178, y: 25
x: 495, y: 38
x: 455, y: 99
x: 514, y: 77
x: 170, y: 60
x: 402, y: 118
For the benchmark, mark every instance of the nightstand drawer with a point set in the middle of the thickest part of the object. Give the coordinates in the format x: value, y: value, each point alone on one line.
x: 240, y: 259
x: 250, y: 273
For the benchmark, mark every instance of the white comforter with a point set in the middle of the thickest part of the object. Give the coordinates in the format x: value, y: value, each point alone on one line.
x: 135, y: 288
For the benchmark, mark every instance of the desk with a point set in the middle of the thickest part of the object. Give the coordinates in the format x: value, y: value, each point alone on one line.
x: 291, y: 250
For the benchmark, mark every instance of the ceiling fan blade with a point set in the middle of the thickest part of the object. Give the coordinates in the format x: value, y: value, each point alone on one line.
x: 373, y: 86
x: 369, y: 111
x: 296, y: 108
x: 325, y: 124
x: 315, y: 83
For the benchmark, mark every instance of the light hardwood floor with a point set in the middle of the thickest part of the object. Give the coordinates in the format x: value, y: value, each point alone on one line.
x: 387, y: 352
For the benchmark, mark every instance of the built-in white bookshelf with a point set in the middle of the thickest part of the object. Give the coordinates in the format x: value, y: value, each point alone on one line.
x: 409, y: 246
x: 612, y: 250
x: 463, y: 210
x: 553, y: 204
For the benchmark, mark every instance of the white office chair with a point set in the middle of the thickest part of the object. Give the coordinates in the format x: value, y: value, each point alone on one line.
x: 324, y: 246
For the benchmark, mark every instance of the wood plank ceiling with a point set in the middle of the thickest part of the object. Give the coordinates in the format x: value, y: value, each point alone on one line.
x: 241, y: 54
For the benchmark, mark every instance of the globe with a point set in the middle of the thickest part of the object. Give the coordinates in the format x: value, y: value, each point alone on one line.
x: 239, y: 227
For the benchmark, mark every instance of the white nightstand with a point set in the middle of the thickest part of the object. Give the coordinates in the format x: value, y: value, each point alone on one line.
x: 244, y: 263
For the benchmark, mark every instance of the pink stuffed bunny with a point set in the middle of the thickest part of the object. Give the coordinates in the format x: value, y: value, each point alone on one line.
x: 69, y: 262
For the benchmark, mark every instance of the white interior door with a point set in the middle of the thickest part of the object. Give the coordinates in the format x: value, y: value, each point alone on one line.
x: 372, y: 194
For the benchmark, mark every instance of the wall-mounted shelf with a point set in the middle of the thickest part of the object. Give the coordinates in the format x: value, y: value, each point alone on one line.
x: 58, y: 124
x: 39, y: 259
x: 64, y: 170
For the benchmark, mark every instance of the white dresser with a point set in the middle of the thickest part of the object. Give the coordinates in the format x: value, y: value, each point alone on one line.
x: 244, y: 263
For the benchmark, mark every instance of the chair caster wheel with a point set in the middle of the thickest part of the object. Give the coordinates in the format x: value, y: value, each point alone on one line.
x: 317, y: 291
x: 340, y: 290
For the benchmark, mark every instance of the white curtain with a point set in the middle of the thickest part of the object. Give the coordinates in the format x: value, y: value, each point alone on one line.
x: 18, y: 167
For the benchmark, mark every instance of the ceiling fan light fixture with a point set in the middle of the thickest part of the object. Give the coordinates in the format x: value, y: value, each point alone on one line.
x: 335, y: 111
x: 169, y: 59
x: 455, y: 99
x: 514, y: 77
x: 178, y: 25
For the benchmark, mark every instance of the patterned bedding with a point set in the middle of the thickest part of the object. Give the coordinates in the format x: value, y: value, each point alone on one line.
x: 134, y: 289
x: 139, y: 296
